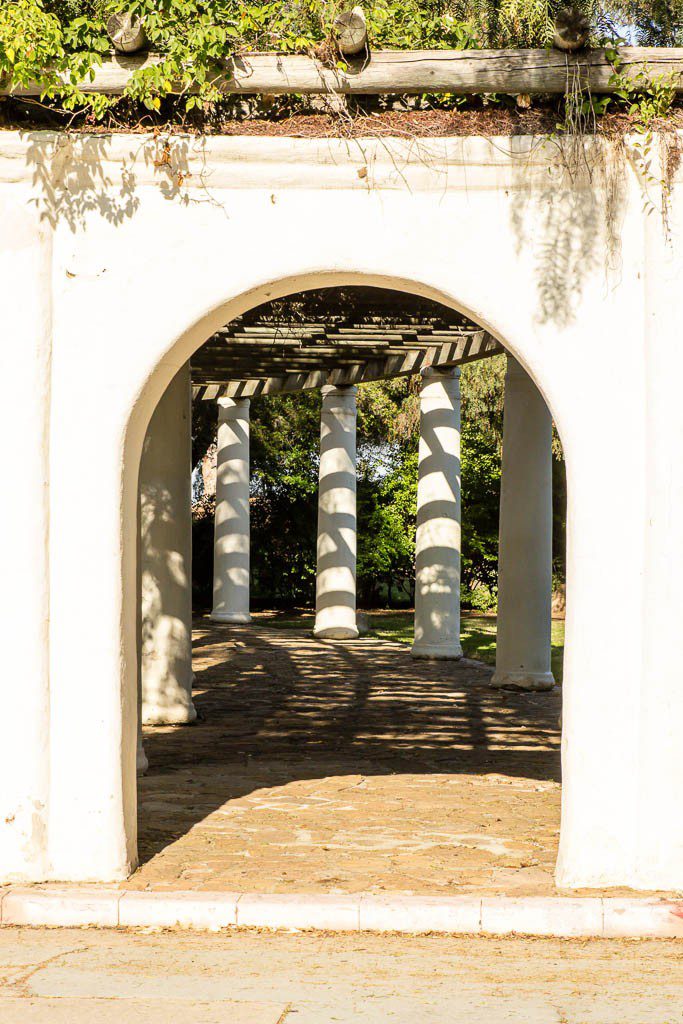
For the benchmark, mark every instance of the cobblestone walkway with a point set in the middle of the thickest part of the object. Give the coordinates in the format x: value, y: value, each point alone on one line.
x: 348, y: 767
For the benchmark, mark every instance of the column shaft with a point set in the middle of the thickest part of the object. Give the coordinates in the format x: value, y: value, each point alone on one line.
x: 336, y: 572
x: 166, y: 559
x: 141, y: 762
x: 231, y: 537
x: 526, y: 533
x: 437, y: 543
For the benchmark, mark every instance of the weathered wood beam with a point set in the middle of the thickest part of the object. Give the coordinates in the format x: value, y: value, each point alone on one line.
x: 263, y: 349
x: 319, y: 356
x: 239, y: 344
x: 329, y: 341
x: 479, y: 345
x: 236, y: 368
x: 462, y: 72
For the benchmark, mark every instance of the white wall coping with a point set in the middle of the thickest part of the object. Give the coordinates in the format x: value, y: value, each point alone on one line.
x: 550, y: 916
x: 187, y: 164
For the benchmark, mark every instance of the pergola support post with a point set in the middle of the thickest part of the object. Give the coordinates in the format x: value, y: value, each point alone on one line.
x: 335, y: 605
x: 437, y: 543
x: 525, y: 557
x: 166, y: 559
x: 232, y: 527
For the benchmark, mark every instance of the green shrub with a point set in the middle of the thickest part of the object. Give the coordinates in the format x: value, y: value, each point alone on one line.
x: 58, y: 42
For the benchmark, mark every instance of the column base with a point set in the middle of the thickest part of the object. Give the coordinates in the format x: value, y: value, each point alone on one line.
x: 532, y: 681
x: 440, y: 652
x: 180, y: 714
x: 336, y: 633
x: 237, y: 617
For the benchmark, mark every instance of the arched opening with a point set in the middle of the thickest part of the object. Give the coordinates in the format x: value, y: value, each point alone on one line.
x: 289, y: 724
x: 468, y: 231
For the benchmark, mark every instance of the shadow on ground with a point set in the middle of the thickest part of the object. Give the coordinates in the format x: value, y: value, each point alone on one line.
x: 277, y: 708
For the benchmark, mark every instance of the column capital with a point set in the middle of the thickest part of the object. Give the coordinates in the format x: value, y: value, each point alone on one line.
x: 437, y: 383
x: 344, y: 391
x: 338, y: 401
x: 430, y: 373
x: 232, y: 406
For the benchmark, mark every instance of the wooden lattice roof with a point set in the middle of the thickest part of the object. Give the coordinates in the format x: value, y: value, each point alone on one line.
x: 334, y: 336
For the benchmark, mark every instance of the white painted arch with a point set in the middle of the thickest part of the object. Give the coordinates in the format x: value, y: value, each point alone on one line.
x: 141, y: 272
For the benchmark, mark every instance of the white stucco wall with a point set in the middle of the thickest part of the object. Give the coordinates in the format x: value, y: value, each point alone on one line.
x: 120, y: 272
x: 25, y: 353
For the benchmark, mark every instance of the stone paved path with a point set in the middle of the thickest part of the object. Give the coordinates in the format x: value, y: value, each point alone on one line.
x: 90, y: 977
x: 330, y: 767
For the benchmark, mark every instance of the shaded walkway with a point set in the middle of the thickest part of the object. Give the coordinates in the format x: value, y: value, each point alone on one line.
x: 348, y: 767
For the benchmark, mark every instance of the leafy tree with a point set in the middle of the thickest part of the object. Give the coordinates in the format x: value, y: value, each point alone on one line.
x: 657, y: 22
x: 285, y: 444
x: 284, y: 451
x: 386, y: 535
x: 518, y: 23
x: 483, y: 386
x: 387, y: 491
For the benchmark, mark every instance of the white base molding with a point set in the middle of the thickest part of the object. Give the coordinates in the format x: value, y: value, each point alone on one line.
x: 439, y: 652
x: 336, y: 633
x: 179, y: 714
x: 241, y: 618
x: 554, y: 916
x: 532, y: 681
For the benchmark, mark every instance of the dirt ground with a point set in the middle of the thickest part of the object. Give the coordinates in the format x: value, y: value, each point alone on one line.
x: 71, y: 976
x: 366, y: 118
x: 349, y: 767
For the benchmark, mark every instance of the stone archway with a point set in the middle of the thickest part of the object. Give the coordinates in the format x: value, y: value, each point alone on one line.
x: 460, y: 221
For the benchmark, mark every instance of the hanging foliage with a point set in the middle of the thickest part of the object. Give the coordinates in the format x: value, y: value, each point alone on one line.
x: 58, y: 43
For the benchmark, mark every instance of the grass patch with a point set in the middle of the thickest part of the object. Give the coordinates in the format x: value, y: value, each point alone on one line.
x: 478, y: 632
x: 477, y: 635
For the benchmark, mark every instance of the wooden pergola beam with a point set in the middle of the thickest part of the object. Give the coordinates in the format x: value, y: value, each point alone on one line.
x: 330, y: 339
x: 232, y: 355
x: 462, y: 72
x: 468, y: 348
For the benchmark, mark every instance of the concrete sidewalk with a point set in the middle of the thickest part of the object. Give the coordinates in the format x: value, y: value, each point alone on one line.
x: 99, y: 977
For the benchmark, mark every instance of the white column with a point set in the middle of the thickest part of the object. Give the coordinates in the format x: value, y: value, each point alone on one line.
x: 231, y: 536
x: 526, y: 538
x: 141, y: 762
x: 437, y: 543
x: 166, y: 559
x: 335, y: 603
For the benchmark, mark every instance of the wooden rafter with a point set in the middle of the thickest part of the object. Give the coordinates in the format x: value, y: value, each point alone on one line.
x: 334, y: 336
x: 463, y: 347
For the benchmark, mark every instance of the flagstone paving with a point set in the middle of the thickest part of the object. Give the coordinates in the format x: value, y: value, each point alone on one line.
x: 349, y: 767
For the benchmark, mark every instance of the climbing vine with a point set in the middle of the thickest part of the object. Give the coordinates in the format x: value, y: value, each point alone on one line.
x: 646, y: 100
x: 59, y: 44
